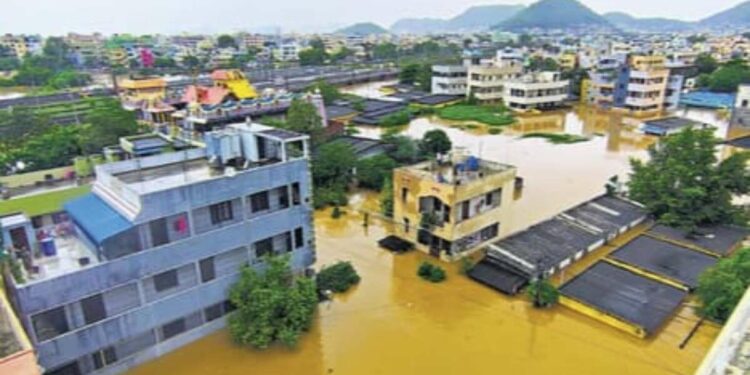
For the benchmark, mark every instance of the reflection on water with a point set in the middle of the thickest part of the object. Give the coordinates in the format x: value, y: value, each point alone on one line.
x: 394, y: 323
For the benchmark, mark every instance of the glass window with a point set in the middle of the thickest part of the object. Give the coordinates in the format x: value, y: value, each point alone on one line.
x: 283, y: 193
x: 296, y: 194
x: 50, y: 324
x: 173, y: 329
x: 264, y: 247
x: 299, y: 238
x: 259, y: 202
x: 165, y: 280
x: 208, y: 270
x: 213, y: 312
x: 104, y: 357
x: 159, y: 234
x: 93, y: 309
x: 221, y: 212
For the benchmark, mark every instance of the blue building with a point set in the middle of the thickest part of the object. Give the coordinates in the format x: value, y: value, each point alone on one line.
x: 145, y: 261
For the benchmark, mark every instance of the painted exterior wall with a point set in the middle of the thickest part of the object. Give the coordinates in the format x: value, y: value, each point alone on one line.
x: 420, y: 186
x: 152, y: 311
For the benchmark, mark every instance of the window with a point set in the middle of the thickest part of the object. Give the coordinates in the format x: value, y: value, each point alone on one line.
x: 404, y: 194
x: 213, y: 312
x: 488, y: 199
x: 264, y: 247
x: 259, y: 202
x: 104, y: 357
x: 50, y: 324
x: 228, y: 307
x: 208, y: 271
x: 221, y: 212
x: 165, y: 280
x: 68, y: 369
x: 173, y: 329
x: 299, y: 238
x: 296, y: 195
x: 465, y: 210
x: 93, y: 309
x: 283, y: 196
x: 159, y: 234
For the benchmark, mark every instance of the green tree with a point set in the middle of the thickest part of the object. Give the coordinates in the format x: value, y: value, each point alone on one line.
x: 8, y: 63
x: 69, y: 78
x: 191, y: 62
x: 164, y: 62
x: 408, y: 74
x: 705, y: 63
x: 543, y: 64
x: 338, y: 277
x: 721, y: 286
x: 385, y: 51
x: 684, y: 185
x: 329, y: 92
x: 272, y: 305
x: 542, y: 293
x: 303, y: 117
x: 729, y: 76
x: 312, y: 56
x: 19, y: 125
x: 54, y: 148
x: 341, y: 54
x: 431, y: 272
x: 107, y: 122
x: 333, y: 164
x: 435, y: 142
x: 226, y: 41
x: 405, y: 150
x: 372, y: 172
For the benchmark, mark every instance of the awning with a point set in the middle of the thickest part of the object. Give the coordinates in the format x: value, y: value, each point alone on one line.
x: 498, y: 276
x: 96, y: 218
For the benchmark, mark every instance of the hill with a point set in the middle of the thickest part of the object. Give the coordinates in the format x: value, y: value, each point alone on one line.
x: 738, y: 15
x: 555, y: 14
x: 475, y: 18
x: 627, y: 22
x: 363, y: 28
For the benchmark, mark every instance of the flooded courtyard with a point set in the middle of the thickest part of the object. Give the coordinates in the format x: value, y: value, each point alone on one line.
x: 395, y: 323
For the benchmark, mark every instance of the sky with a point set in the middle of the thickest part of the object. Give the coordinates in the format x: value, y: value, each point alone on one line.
x: 55, y: 17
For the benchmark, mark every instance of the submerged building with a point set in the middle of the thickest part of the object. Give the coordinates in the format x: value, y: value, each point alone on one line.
x: 142, y: 265
x: 451, y: 208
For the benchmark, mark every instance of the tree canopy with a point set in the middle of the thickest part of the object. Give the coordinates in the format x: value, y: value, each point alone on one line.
x: 721, y: 287
x: 727, y: 77
x: 435, y: 142
x: 684, y: 185
x: 272, y: 305
x: 226, y: 41
x: 303, y: 117
x: 705, y: 63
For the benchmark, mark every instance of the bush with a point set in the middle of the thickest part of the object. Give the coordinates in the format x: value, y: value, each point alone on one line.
x: 430, y: 272
x: 329, y: 196
x: 337, y: 278
x: 721, y: 287
x: 466, y: 265
x: 396, y: 119
x: 373, y: 171
x: 542, y: 293
x: 336, y: 212
x: 272, y: 305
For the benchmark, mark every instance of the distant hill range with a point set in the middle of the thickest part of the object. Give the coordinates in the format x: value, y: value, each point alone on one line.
x: 561, y: 14
x: 554, y: 14
x: 627, y: 22
x: 476, y: 18
x: 737, y: 16
x: 363, y: 28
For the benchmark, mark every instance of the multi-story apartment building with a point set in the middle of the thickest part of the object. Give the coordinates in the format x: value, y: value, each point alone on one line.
x: 485, y: 81
x: 287, y: 51
x: 536, y: 91
x: 451, y: 208
x: 145, y: 262
x: 449, y: 79
x: 22, y: 45
x: 87, y: 49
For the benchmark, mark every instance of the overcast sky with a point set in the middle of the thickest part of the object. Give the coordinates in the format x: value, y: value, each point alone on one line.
x: 214, y: 16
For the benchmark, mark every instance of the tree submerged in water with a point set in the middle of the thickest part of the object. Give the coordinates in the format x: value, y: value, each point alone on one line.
x: 542, y: 293
x: 272, y: 305
x: 685, y: 186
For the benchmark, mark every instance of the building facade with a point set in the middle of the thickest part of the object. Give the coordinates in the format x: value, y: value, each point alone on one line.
x: 536, y: 91
x: 451, y: 208
x: 449, y: 79
x: 146, y: 261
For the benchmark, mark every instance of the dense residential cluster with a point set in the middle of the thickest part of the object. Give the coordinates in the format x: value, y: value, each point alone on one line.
x: 155, y: 189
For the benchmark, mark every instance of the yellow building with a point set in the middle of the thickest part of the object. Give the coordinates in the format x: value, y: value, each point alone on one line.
x: 568, y: 61
x: 234, y: 81
x: 647, y: 62
x: 147, y: 97
x: 451, y: 209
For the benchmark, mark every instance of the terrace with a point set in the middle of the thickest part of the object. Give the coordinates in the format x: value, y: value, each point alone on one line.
x: 456, y: 173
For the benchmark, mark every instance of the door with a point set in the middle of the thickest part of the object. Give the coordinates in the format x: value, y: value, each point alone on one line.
x: 19, y: 239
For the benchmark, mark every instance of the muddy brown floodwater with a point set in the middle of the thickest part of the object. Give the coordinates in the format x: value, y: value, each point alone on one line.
x: 395, y: 323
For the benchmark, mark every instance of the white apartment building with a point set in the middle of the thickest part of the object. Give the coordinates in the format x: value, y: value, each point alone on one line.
x: 536, y: 91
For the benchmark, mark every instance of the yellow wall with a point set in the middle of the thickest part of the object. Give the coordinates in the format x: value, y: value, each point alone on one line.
x: 420, y: 185
x: 613, y: 321
x: 647, y: 62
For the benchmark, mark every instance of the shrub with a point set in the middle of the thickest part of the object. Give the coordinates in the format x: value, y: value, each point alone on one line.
x: 396, y: 119
x: 430, y: 272
x: 542, y: 293
x: 492, y: 115
x: 272, y: 305
x: 329, y: 196
x: 337, y: 278
x: 336, y: 212
x: 721, y: 286
x: 466, y: 265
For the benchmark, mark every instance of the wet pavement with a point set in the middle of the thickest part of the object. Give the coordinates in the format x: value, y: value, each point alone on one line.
x: 395, y: 323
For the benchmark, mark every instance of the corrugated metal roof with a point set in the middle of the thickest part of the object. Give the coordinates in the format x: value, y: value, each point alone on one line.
x: 96, y: 217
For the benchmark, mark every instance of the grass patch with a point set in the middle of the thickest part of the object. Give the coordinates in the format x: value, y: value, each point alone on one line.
x: 556, y: 138
x: 492, y: 115
x: 44, y: 203
x: 30, y: 178
x: 399, y: 118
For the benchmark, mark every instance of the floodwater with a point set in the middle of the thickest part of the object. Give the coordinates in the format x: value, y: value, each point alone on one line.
x: 395, y: 323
